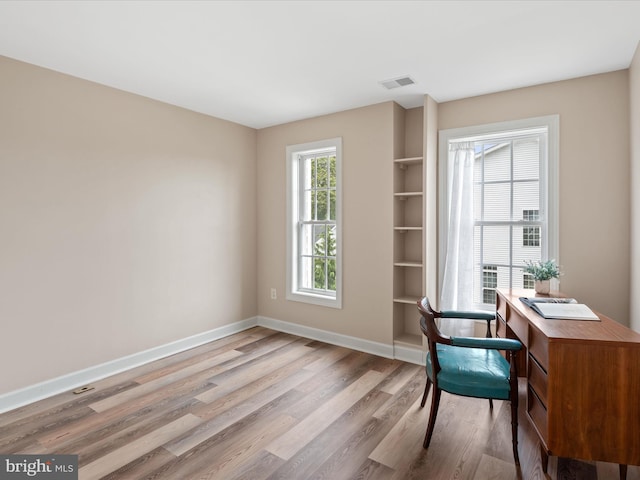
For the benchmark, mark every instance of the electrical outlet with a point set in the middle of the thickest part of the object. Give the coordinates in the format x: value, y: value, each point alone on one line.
x: 274, y: 294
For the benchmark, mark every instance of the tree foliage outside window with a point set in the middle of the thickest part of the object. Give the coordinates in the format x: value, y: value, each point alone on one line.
x: 319, y: 218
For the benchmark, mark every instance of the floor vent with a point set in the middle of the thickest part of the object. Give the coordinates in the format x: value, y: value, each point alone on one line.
x: 82, y: 390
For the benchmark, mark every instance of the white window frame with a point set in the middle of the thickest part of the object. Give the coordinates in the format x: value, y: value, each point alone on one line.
x: 294, y: 153
x: 549, y: 177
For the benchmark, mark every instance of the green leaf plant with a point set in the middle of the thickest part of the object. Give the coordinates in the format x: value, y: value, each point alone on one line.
x: 542, y: 270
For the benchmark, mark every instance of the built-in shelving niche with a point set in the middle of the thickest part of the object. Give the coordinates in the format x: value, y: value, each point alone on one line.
x: 408, y: 229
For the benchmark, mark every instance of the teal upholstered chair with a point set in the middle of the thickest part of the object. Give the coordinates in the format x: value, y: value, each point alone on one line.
x: 468, y: 366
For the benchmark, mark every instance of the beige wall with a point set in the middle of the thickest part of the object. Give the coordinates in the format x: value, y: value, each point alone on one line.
x: 594, y: 176
x: 634, y: 102
x: 367, y: 142
x: 128, y: 223
x: 125, y: 224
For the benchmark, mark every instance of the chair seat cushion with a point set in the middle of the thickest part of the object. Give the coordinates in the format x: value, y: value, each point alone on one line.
x: 473, y: 372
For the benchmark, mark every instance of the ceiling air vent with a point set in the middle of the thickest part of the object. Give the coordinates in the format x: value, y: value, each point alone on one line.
x: 397, y: 82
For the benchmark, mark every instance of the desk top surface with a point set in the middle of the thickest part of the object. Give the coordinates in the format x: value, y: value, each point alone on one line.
x: 606, y: 330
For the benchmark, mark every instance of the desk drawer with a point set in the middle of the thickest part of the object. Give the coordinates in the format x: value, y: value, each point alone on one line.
x: 537, y: 379
x: 539, y: 347
x: 501, y: 327
x: 518, y: 324
x: 537, y: 413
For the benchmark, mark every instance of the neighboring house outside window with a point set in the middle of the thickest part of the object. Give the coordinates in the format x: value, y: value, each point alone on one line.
x: 528, y: 281
x: 489, y: 283
x: 314, y: 226
x: 530, y: 235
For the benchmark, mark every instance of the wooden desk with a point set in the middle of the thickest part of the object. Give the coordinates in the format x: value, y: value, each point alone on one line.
x: 583, y: 382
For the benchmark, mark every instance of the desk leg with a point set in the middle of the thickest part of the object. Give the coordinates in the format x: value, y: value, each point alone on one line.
x: 544, y: 458
x: 623, y: 472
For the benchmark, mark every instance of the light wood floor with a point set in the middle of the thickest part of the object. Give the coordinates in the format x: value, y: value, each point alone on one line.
x: 267, y: 405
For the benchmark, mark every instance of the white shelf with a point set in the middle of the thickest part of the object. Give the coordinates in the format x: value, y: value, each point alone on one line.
x: 408, y: 263
x: 408, y: 161
x: 406, y: 195
x: 407, y: 299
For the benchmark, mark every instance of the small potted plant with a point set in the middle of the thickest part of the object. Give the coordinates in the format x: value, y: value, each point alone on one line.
x: 542, y: 272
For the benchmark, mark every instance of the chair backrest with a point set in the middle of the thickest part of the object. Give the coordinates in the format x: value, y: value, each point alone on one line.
x: 431, y: 331
x: 428, y: 322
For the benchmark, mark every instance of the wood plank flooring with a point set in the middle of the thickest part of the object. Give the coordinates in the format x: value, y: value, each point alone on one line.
x: 267, y: 405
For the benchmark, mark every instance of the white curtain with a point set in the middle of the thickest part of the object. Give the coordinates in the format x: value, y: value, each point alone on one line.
x: 457, y: 286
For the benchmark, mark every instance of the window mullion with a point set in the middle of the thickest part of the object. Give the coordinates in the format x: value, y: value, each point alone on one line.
x: 511, y: 215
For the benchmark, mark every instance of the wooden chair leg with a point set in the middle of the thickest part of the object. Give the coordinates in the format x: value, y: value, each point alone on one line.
x: 514, y: 427
x: 435, y: 401
x: 513, y: 399
x: 623, y: 472
x: 491, y: 404
x: 426, y: 392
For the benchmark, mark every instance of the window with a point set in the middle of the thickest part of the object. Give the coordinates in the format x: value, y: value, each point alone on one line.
x: 528, y: 281
x: 489, y: 283
x: 530, y: 235
x: 314, y: 228
x: 513, y: 178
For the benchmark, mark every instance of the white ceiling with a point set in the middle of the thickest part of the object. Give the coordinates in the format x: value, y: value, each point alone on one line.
x: 264, y: 63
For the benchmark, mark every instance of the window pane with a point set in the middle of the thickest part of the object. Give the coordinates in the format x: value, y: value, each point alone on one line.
x: 319, y: 265
x: 526, y: 196
x: 332, y: 205
x: 314, y: 176
x: 497, y: 162
x: 504, y: 277
x: 307, y: 204
x: 321, y: 172
x: 320, y: 240
x: 306, y: 239
x: 526, y: 159
x: 331, y: 274
x: 332, y: 171
x: 497, y: 205
x: 495, y: 240
x: 322, y: 205
x: 522, y: 251
x: 306, y: 273
x: 331, y: 239
x: 307, y: 168
x: 314, y: 205
x: 306, y: 207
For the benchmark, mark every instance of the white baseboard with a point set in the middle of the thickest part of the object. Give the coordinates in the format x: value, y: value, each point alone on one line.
x: 64, y: 383
x: 367, y: 346
x: 408, y: 354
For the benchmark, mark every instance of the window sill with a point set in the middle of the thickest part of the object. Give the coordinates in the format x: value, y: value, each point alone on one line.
x: 314, y: 299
